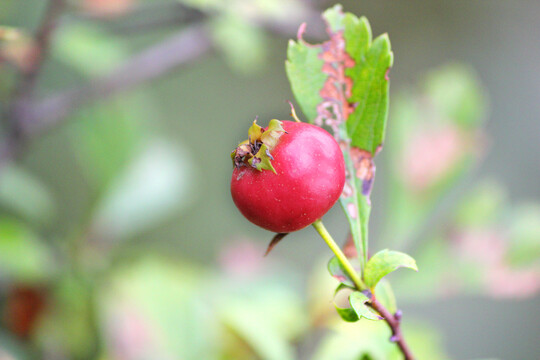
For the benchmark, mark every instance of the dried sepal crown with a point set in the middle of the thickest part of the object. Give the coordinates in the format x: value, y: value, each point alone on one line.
x: 256, y: 150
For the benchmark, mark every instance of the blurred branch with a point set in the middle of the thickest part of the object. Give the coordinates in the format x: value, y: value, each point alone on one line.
x: 28, y: 117
x: 23, y: 93
x: 151, y: 63
x: 146, y: 17
x: 171, y: 19
x: 43, y: 36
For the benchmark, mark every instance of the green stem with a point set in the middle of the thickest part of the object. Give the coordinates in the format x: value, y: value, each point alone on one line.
x: 321, y: 229
x: 393, y: 320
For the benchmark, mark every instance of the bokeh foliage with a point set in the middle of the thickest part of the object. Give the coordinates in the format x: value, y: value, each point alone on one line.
x: 74, y: 240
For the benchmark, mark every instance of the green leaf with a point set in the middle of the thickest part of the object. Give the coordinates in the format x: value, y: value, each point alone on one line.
x: 383, y: 263
x: 343, y: 83
x: 337, y: 271
x: 68, y: 324
x: 304, y: 71
x: 524, y: 247
x: 439, y: 131
x: 89, y: 49
x: 347, y: 314
x: 367, y: 124
x: 158, y: 296
x: 456, y: 91
x: 157, y: 183
x: 267, y: 318
x: 23, y: 256
x: 243, y: 44
x: 341, y: 296
x: 105, y: 138
x: 482, y: 206
x: 343, y: 286
x: 365, y: 64
x: 26, y: 195
x: 358, y: 302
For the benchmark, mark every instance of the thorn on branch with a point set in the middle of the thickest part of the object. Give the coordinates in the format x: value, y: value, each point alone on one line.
x: 275, y: 240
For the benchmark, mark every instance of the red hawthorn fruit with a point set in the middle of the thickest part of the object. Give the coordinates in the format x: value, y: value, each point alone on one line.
x: 287, y: 175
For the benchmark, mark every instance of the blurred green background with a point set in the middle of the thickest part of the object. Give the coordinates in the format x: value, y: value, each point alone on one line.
x: 119, y: 222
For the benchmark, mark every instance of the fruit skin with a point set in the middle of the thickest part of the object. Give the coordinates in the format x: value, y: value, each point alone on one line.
x: 309, y: 178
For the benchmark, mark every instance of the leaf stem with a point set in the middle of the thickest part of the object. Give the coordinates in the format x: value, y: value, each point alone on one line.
x: 321, y: 229
x: 393, y: 320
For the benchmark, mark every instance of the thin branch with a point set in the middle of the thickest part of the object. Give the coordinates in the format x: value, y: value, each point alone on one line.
x: 394, y: 322
x: 158, y: 15
x: 41, y: 48
x: 25, y: 87
x: 151, y: 63
x: 155, y: 61
x: 23, y: 93
x: 30, y: 117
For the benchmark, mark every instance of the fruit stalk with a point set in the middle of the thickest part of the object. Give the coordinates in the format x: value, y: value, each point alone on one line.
x: 353, y: 275
x: 393, y: 320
